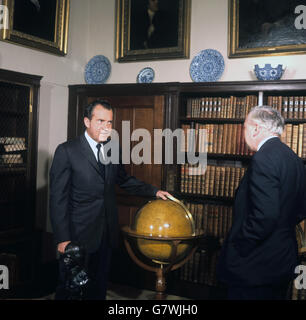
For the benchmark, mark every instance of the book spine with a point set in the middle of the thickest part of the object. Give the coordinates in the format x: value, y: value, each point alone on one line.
x: 304, y: 142
x: 296, y: 108
x: 285, y: 107
x: 295, y: 138
x: 290, y: 107
x: 300, y: 141
x: 301, y: 107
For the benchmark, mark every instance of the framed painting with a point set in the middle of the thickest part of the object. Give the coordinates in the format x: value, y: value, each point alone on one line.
x: 152, y: 29
x: 265, y: 27
x: 38, y: 24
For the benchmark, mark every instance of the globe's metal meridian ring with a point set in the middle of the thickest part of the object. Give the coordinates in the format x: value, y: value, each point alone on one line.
x: 166, y: 239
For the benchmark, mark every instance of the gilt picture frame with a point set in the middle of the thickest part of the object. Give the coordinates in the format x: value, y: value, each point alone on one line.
x: 136, y: 39
x: 262, y: 28
x: 38, y: 24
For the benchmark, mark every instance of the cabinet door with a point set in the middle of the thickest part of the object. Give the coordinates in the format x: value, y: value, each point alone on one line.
x: 15, y: 199
x: 141, y: 112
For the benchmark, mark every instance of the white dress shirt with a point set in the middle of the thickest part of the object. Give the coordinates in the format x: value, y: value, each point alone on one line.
x: 93, y: 145
x: 265, y: 140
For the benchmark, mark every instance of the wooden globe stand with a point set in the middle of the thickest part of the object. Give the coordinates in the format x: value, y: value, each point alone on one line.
x: 162, y: 268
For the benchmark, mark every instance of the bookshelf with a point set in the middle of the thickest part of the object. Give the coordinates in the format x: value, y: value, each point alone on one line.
x: 209, y: 197
x: 219, y: 107
x: 18, y: 153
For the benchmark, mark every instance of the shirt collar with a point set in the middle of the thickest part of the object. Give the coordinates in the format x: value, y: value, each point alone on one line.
x: 92, y: 143
x: 264, y: 140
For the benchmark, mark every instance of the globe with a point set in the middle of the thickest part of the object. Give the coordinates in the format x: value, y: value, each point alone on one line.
x: 165, y: 219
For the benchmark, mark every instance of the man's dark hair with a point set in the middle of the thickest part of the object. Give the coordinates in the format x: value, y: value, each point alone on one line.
x: 90, y: 108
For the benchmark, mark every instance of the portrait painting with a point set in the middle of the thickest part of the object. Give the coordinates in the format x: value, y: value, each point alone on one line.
x: 152, y: 29
x: 258, y: 28
x: 38, y: 24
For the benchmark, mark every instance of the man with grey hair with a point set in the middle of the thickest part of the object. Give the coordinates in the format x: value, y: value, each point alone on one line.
x: 260, y: 253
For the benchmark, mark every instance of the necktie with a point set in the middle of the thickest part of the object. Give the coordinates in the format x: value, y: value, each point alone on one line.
x: 100, y: 164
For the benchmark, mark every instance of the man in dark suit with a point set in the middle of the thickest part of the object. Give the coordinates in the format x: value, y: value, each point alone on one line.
x: 83, y: 205
x: 260, y: 254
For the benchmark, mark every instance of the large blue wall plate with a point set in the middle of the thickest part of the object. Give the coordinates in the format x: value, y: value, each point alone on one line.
x: 97, y: 70
x: 208, y: 65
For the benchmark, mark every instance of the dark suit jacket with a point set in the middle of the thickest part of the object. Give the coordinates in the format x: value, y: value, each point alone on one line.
x: 82, y: 203
x: 261, y: 247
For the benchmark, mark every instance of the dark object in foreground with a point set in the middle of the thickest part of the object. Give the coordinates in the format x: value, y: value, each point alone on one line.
x: 77, y: 279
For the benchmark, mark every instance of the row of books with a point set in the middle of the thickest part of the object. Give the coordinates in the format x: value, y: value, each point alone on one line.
x: 295, y: 138
x: 297, y: 292
x: 213, y: 220
x: 219, y: 181
x: 292, y: 107
x: 220, y: 107
x: 215, y: 138
x: 201, y: 268
x: 12, y: 147
x: 11, y: 159
x: 229, y: 138
x: 8, y: 148
x: 12, y: 140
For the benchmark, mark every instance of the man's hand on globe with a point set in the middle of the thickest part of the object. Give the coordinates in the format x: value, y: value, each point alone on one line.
x: 163, y: 194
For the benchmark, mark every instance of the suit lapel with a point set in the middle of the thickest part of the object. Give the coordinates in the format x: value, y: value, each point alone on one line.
x: 108, y: 167
x: 107, y: 171
x: 88, y: 154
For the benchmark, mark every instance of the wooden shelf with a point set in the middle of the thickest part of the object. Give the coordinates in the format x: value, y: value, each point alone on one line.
x: 13, y: 169
x: 226, y: 156
x: 201, y: 197
x: 230, y: 120
x: 211, y: 120
x: 235, y: 157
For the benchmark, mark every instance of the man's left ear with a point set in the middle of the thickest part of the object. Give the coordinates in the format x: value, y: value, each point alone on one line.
x: 86, y: 122
x: 256, y: 130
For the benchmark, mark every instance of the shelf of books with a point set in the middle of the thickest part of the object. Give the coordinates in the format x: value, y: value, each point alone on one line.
x: 14, y: 132
x: 209, y: 195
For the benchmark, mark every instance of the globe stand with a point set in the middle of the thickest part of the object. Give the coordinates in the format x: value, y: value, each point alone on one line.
x: 161, y: 269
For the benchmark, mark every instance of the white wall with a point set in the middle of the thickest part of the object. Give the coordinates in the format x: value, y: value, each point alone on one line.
x: 209, y: 30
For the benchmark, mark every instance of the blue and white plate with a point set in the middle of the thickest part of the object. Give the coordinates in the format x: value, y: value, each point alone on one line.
x: 146, y: 75
x: 97, y: 70
x: 208, y: 65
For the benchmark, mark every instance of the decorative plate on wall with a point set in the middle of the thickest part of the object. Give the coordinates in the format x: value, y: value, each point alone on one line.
x: 208, y: 65
x: 146, y: 75
x: 97, y: 70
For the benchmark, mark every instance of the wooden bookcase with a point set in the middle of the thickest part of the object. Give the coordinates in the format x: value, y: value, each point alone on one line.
x: 19, y: 240
x: 220, y: 108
